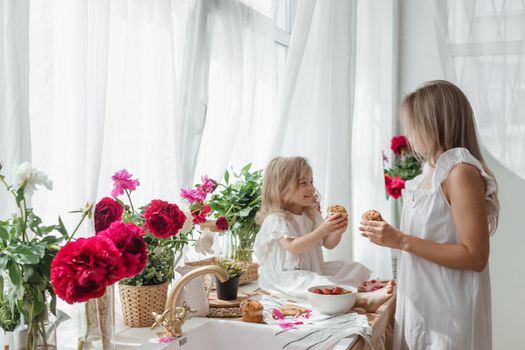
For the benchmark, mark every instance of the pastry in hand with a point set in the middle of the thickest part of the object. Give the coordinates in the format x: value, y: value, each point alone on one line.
x: 336, y: 209
x: 371, y: 215
x: 252, y: 311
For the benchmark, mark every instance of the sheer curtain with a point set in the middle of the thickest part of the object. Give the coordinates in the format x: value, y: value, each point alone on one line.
x: 103, y: 94
x: 15, y: 142
x: 373, y: 115
x: 241, y: 88
x: 482, y: 46
x: 315, y: 105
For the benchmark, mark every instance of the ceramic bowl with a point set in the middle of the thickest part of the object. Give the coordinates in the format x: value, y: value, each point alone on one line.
x: 330, y: 304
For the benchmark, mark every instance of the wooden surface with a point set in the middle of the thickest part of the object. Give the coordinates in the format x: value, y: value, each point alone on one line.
x: 382, y: 322
x: 218, y: 303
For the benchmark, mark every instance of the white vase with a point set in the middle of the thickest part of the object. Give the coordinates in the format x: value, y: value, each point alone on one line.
x: 194, y: 293
x: 7, y: 339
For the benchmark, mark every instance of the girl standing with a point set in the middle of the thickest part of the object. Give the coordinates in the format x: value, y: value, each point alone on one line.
x: 449, y: 213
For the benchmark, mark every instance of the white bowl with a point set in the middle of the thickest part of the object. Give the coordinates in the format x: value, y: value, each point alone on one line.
x: 332, y: 304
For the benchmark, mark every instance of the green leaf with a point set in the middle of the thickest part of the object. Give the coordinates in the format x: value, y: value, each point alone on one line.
x: 246, y: 169
x: 61, y: 227
x: 50, y: 240
x: 3, y: 263
x: 26, y: 255
x: 245, y: 212
x: 226, y: 177
x: 15, y: 275
x: 4, y: 235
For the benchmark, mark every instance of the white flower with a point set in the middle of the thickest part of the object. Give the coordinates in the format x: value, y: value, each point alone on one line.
x: 205, y: 242
x: 29, y: 178
x: 188, y: 224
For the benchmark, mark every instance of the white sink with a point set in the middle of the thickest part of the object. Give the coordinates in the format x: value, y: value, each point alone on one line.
x: 225, y: 335
x: 218, y: 335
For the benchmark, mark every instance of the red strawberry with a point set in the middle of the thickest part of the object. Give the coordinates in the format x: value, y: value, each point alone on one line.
x: 327, y: 291
x: 317, y: 291
x: 337, y: 290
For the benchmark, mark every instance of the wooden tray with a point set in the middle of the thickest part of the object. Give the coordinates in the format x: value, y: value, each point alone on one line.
x: 226, y: 308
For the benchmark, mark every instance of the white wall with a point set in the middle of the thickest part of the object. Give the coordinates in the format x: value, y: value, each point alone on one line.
x: 419, y: 62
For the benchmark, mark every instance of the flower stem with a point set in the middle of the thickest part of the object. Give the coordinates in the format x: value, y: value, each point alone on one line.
x: 130, y: 202
x: 84, y: 214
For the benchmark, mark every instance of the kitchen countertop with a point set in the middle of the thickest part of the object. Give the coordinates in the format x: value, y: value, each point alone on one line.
x: 128, y: 338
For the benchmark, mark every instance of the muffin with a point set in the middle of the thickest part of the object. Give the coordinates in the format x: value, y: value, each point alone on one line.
x: 371, y: 215
x: 252, y: 311
x: 336, y: 209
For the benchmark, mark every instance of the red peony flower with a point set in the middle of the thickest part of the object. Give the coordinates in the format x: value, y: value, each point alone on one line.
x: 394, y: 186
x: 163, y: 219
x: 128, y: 240
x: 83, y: 269
x: 199, y: 215
x: 107, y: 211
x: 399, y: 144
x: 222, y: 223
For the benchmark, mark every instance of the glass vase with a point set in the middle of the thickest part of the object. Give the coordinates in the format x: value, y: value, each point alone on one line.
x: 96, y: 322
x: 243, y: 254
x: 39, y: 334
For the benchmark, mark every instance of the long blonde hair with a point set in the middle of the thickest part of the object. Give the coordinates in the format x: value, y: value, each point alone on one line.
x: 440, y: 113
x: 281, y: 180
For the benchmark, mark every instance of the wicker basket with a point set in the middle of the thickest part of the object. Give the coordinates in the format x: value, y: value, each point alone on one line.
x: 250, y: 269
x: 139, y: 302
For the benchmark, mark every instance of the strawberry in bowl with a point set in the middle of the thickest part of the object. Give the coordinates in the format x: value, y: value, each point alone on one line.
x: 332, y: 300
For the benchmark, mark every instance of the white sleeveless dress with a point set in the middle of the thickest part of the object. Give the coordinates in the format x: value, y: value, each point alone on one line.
x: 440, y: 307
x: 287, y: 275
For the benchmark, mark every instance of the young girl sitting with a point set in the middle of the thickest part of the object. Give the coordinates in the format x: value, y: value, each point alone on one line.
x: 288, y: 245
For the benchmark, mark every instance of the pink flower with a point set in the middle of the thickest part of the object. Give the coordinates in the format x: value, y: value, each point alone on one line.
x: 166, y: 339
x: 208, y: 185
x: 122, y: 181
x: 385, y: 158
x: 193, y: 195
x: 199, y: 215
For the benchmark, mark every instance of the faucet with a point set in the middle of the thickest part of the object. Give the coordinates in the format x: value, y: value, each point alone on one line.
x: 172, y: 321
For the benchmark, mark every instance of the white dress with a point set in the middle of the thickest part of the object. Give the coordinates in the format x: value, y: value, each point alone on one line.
x: 284, y: 274
x: 440, y: 307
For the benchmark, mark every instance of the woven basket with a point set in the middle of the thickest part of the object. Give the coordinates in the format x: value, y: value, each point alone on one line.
x: 139, y: 302
x: 250, y: 269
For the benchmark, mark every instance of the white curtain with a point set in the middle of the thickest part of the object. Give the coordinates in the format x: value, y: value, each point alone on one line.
x: 482, y: 46
x: 374, y: 112
x: 241, y: 88
x: 126, y: 84
x: 315, y: 105
x: 104, y: 81
x: 15, y: 142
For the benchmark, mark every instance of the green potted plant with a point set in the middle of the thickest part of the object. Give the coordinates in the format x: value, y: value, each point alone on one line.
x: 27, y: 248
x: 238, y: 200
x: 228, y: 290
x: 167, y: 230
